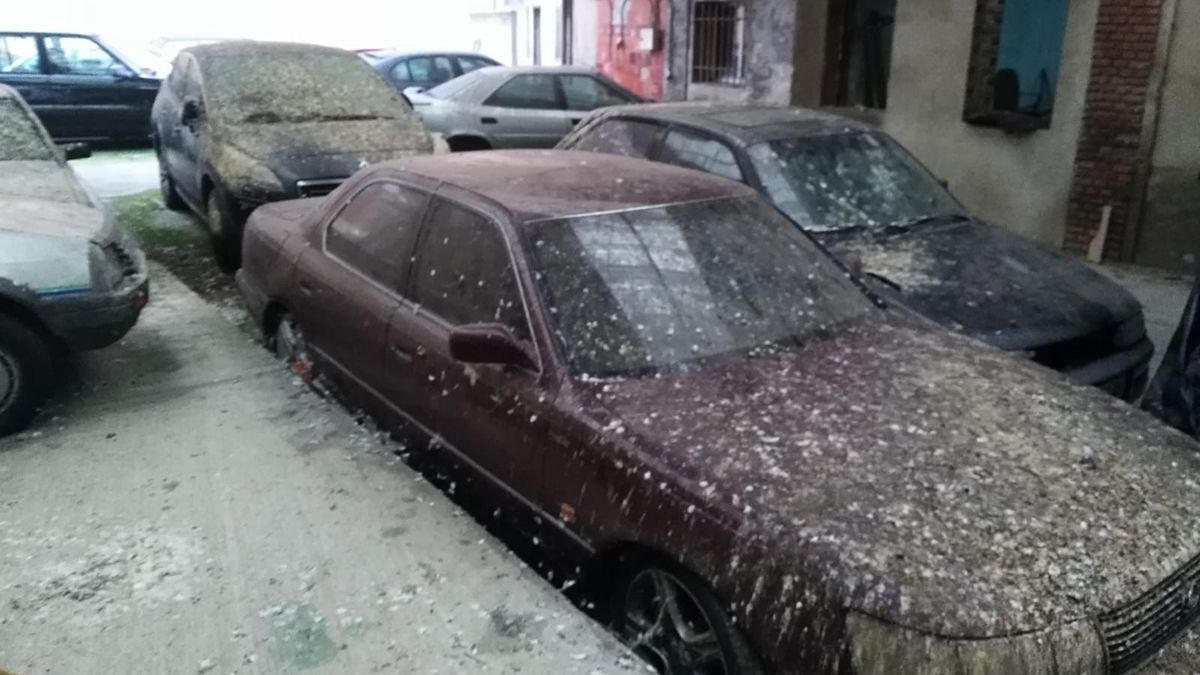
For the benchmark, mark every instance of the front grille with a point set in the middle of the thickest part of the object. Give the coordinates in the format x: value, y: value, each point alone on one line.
x: 1136, y: 632
x: 317, y: 188
x: 1077, y: 352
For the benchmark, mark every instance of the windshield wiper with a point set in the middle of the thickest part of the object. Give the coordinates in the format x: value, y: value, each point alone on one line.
x: 924, y: 220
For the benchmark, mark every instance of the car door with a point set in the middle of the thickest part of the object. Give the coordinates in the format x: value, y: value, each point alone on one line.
x: 190, y: 123
x: 584, y: 93
x: 347, y: 285
x: 21, y: 68
x: 428, y: 72
x: 698, y: 150
x: 90, y: 87
x: 491, y: 415
x: 526, y: 111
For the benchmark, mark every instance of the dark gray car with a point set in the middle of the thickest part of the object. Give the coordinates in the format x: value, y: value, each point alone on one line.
x: 867, y: 200
x: 240, y: 124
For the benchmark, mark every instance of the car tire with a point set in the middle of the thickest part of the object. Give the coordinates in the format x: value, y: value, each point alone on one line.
x: 25, y: 371
x: 166, y: 185
x: 225, y: 226
x: 659, y: 603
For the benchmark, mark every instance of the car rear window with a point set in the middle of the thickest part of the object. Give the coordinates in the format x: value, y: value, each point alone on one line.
x: 20, y: 138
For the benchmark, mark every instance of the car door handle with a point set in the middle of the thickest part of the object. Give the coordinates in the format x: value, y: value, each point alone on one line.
x: 401, y: 353
x: 489, y: 120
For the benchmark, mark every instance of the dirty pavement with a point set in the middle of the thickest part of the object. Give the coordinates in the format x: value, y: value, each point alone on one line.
x: 186, y: 506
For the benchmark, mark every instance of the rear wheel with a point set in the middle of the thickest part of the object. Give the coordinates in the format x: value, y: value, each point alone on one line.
x: 25, y: 371
x: 225, y: 226
x: 467, y: 144
x: 166, y: 185
x: 670, y: 618
x: 290, y: 347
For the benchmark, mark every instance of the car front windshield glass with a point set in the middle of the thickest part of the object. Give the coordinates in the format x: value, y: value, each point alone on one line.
x: 260, y: 87
x: 682, y: 287
x: 848, y: 180
x: 20, y: 139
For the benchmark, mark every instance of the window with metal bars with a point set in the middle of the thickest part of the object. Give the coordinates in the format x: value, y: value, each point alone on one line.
x: 718, y: 32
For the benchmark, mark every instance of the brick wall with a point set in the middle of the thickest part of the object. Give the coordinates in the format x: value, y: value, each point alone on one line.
x: 1106, y: 163
x: 617, y: 52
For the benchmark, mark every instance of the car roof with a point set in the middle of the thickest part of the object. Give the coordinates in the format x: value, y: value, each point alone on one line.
x: 249, y: 47
x: 539, y: 184
x: 745, y: 123
x: 387, y: 54
x: 552, y: 70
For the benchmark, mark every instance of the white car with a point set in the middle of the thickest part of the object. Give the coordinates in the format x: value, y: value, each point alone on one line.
x: 70, y: 278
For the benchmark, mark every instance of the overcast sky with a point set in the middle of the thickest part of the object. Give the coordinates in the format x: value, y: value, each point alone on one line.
x: 416, y: 24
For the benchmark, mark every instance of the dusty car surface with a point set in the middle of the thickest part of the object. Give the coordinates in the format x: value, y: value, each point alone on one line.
x: 515, y: 106
x: 772, y: 470
x: 861, y: 195
x: 70, y: 279
x: 239, y: 124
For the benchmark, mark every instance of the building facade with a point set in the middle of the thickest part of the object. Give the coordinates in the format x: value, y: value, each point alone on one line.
x: 1056, y: 118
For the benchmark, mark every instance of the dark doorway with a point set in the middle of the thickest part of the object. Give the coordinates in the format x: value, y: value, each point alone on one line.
x: 537, y: 36
x: 861, y: 33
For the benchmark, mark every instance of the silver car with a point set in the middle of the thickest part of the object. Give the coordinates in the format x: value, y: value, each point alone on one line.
x: 515, y: 107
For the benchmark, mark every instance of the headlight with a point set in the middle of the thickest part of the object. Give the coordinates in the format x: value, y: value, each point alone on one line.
x: 1130, y: 331
x: 879, y: 648
x: 245, y: 176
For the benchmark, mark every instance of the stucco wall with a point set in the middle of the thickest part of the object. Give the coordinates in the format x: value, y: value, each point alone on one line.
x: 1022, y: 181
x: 769, y: 47
x: 1170, y: 235
x: 585, y: 32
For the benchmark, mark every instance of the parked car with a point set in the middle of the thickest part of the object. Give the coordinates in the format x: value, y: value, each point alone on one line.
x: 515, y: 107
x: 70, y: 279
x: 776, y: 473
x: 414, y: 72
x: 866, y: 199
x: 239, y: 124
x: 81, y: 87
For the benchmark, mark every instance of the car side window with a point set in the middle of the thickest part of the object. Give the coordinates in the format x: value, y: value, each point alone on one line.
x: 629, y: 138
x: 400, y: 72
x: 69, y: 55
x: 584, y: 92
x: 375, y: 231
x: 463, y: 271
x: 19, y: 55
x: 468, y: 63
x: 435, y: 69
x: 526, y: 91
x: 694, y: 151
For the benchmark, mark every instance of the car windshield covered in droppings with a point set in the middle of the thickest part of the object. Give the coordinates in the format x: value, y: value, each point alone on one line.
x: 260, y: 87
x: 845, y: 180
x: 682, y: 287
x: 20, y: 139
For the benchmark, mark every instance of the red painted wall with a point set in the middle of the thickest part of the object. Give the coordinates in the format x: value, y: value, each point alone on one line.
x: 618, y: 54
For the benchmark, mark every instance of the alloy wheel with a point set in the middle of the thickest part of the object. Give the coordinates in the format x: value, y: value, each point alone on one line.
x: 667, y: 626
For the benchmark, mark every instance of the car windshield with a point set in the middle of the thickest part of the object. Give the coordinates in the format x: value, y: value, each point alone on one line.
x: 683, y: 287
x: 847, y: 180
x: 20, y: 139
x: 260, y: 87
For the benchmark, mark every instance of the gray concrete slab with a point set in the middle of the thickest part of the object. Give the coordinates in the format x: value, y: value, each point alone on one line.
x: 190, y: 507
x: 112, y: 173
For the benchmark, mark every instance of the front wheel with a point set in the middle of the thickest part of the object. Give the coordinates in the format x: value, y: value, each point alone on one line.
x: 166, y: 186
x: 25, y: 370
x: 671, y: 619
x: 225, y: 226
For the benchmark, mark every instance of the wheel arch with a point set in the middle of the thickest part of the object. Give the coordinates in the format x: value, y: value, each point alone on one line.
x: 21, y: 312
x: 460, y: 142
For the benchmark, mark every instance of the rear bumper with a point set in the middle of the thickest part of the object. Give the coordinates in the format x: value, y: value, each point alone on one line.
x: 1123, y: 374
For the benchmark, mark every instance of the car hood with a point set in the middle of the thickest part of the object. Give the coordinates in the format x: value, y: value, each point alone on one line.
x: 43, y: 180
x: 939, y: 484
x: 988, y: 282
x: 60, y: 220
x: 329, y: 149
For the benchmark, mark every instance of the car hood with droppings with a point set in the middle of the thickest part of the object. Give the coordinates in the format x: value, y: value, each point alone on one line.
x: 988, y: 282
x: 44, y: 180
x: 941, y: 485
x: 338, y: 148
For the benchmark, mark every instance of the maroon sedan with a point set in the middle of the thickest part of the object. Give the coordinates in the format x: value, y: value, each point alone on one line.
x: 773, y: 472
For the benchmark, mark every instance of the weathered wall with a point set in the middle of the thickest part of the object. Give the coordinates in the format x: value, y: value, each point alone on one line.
x: 1022, y: 181
x: 769, y: 49
x: 1170, y: 235
x: 1111, y: 158
x: 618, y: 53
x: 585, y: 31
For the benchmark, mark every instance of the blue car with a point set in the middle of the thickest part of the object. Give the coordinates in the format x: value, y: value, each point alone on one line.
x: 425, y: 70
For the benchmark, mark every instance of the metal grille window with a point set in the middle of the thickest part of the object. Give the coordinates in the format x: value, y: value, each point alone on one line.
x: 718, y: 32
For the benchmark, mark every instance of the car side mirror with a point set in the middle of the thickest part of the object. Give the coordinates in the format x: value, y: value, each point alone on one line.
x: 76, y: 151
x: 192, y: 113
x: 121, y: 71
x: 488, y: 343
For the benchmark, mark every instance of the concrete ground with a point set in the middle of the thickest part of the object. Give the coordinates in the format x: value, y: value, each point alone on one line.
x: 186, y: 506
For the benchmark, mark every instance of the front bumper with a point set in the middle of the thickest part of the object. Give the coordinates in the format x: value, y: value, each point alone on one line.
x: 93, y: 320
x: 1123, y: 374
